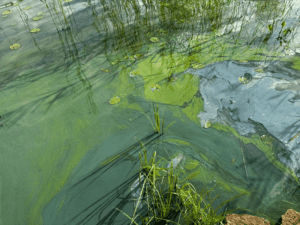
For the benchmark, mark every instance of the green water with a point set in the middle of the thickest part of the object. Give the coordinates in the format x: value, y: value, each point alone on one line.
x: 56, y: 88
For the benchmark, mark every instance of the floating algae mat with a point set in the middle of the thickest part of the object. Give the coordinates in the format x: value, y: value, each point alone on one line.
x: 78, y: 79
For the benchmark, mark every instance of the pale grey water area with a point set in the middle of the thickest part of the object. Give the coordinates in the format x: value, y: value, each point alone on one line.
x: 271, y: 98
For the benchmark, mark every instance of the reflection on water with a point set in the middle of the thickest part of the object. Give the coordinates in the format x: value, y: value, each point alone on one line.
x: 83, y: 49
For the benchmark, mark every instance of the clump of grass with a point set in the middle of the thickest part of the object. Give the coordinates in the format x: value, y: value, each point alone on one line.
x: 170, y: 199
x: 159, y: 124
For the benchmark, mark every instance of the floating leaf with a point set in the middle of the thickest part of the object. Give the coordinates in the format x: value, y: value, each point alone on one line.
x: 15, y: 46
x: 243, y: 61
x: 13, y: 24
x: 259, y: 70
x: 191, y: 164
x: 105, y: 70
x: 41, y: 14
x: 283, y: 24
x: 207, y: 124
x: 270, y: 27
x: 114, y: 100
x: 138, y: 56
x: 28, y: 7
x: 7, y: 12
x: 133, y: 73
x: 37, y: 18
x: 131, y: 58
x: 243, y: 80
x: 155, y: 87
x: 154, y: 39
x: 35, y: 30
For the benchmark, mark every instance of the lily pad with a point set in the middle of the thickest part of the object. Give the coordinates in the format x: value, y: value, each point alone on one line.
x: 138, y: 56
x: 7, y: 12
x: 28, y: 7
x: 38, y: 18
x: 259, y: 70
x: 35, y: 30
x: 15, y: 46
x: 154, y: 39
x: 197, y: 66
x: 207, y: 124
x: 155, y: 87
x: 191, y: 164
x: 131, y: 58
x: 243, y: 61
x: 41, y: 14
x: 106, y: 70
x: 243, y: 80
x: 114, y: 100
x: 16, y: 4
x: 134, y: 73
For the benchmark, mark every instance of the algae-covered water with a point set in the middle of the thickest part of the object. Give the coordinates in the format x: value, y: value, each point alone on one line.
x: 77, y: 82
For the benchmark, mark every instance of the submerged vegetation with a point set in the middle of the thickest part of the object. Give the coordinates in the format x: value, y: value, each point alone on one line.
x: 171, y: 200
x: 157, y: 41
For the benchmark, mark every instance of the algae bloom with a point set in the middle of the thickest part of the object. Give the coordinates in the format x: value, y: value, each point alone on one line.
x: 15, y: 46
x: 114, y: 100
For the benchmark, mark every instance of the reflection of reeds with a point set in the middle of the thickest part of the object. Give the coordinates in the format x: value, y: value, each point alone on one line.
x: 169, y: 199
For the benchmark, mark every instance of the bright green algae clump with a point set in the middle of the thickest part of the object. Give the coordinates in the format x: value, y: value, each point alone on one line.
x: 157, y: 70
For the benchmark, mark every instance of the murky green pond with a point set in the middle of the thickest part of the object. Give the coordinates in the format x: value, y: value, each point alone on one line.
x: 77, y: 82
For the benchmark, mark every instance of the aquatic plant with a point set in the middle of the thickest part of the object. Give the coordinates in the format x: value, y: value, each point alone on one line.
x: 15, y: 46
x: 155, y: 87
x: 170, y: 199
x: 105, y: 70
x: 159, y: 126
x: 134, y: 73
x: 38, y: 18
x: 114, y: 100
x: 35, y: 30
x: 7, y: 12
x: 207, y: 124
x: 243, y: 80
x: 154, y: 39
x: 197, y: 66
x: 28, y: 7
